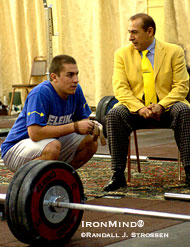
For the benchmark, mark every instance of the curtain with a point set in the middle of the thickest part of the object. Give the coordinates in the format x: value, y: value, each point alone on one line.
x: 91, y: 31
x: 177, y: 24
x: 22, y: 28
x: 88, y: 30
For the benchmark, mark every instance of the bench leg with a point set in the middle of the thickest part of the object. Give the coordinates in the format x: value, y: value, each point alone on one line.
x: 11, y: 102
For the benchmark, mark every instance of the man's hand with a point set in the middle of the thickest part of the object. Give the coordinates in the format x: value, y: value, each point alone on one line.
x: 84, y: 127
x: 156, y: 110
x: 152, y: 111
x: 145, y: 112
x: 98, y: 132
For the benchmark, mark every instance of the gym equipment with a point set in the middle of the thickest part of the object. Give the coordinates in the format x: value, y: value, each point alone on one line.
x: 176, y: 196
x: 28, y: 218
x: 45, y: 203
x: 103, y: 107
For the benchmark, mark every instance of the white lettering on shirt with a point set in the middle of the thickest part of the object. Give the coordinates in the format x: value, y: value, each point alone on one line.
x: 56, y: 120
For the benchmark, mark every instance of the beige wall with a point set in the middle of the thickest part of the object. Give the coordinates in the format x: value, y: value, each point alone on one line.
x: 88, y: 30
x: 155, y: 8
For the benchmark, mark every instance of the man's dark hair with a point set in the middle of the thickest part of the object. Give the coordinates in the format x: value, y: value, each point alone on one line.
x: 146, y: 20
x: 57, y: 63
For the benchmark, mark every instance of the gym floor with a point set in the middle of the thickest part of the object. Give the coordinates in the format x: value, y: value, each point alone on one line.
x: 158, y: 144
x: 142, y: 231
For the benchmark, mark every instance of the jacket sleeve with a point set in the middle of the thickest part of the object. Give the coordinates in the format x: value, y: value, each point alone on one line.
x: 121, y: 85
x: 180, y: 81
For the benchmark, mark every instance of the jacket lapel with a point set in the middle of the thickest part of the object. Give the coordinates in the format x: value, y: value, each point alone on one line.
x: 136, y: 59
x: 158, y: 57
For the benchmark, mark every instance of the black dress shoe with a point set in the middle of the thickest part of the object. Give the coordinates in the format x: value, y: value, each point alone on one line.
x: 117, y: 181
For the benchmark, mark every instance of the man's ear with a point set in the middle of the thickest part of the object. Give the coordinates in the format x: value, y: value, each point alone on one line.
x: 53, y: 77
x: 150, y: 31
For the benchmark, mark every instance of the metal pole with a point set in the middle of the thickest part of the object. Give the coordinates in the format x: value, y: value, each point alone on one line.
x: 2, y: 197
x: 49, y: 33
x: 132, y: 157
x: 117, y: 210
x: 176, y: 196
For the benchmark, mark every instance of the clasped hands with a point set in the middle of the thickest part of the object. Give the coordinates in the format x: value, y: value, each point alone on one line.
x: 92, y: 127
x: 152, y: 111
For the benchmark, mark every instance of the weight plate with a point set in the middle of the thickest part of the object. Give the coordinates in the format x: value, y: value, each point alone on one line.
x: 103, y: 107
x: 54, y: 194
x: 45, y: 181
x: 11, y: 200
x: 99, y: 108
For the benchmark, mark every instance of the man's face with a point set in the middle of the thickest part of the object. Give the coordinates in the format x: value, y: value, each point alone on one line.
x: 66, y: 83
x: 141, y: 39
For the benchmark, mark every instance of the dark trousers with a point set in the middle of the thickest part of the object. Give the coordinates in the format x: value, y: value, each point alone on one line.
x: 120, y: 123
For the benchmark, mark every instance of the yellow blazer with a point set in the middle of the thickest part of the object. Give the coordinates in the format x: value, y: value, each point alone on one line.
x: 170, y: 74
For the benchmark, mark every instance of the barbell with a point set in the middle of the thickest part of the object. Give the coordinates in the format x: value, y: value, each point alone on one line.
x: 45, y: 203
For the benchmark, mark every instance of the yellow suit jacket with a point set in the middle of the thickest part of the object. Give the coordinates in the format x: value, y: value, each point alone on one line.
x: 170, y: 74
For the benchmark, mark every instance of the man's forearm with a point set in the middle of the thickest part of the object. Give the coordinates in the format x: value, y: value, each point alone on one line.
x: 37, y: 132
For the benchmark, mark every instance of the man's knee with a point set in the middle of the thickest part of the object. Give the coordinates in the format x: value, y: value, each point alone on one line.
x: 52, y: 150
x: 115, y: 111
x: 117, y: 114
x: 86, y: 149
x: 88, y: 146
x: 180, y: 109
x: 93, y: 147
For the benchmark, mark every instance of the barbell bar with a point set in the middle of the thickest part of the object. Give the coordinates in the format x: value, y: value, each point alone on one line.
x: 45, y: 203
x: 117, y: 210
x: 177, y: 196
x: 2, y: 197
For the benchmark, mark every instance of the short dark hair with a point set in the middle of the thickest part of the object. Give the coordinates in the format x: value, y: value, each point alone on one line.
x: 147, y: 21
x: 57, y: 63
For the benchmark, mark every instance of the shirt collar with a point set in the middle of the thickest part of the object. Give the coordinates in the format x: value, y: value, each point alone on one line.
x: 151, y: 47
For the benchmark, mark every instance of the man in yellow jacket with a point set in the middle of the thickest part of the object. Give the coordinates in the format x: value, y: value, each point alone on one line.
x: 171, y: 82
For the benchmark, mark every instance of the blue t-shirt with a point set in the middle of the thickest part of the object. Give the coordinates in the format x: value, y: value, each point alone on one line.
x: 43, y: 107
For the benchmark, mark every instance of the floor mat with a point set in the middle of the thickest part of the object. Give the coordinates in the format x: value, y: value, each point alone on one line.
x: 156, y: 178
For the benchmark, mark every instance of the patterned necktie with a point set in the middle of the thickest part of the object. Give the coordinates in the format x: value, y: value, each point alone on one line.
x: 148, y: 79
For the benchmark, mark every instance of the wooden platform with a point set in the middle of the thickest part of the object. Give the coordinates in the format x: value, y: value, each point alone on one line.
x: 92, y: 231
